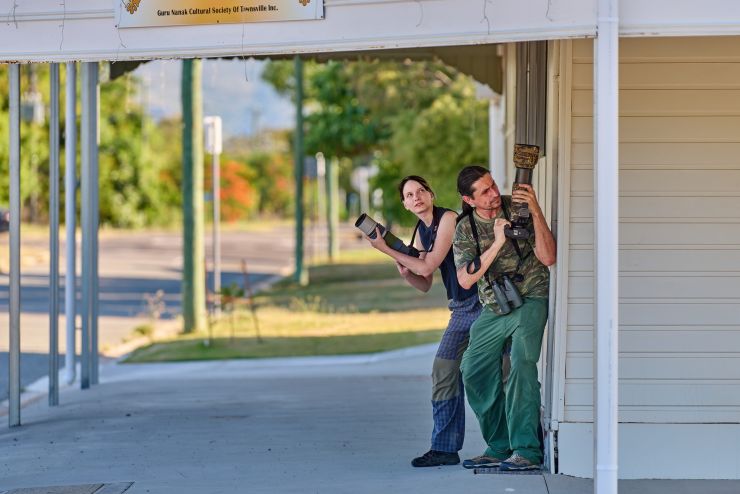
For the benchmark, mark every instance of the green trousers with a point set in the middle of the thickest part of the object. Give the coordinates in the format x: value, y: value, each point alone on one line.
x: 508, y: 421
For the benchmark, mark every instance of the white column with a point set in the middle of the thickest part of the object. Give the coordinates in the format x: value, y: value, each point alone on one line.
x: 496, y: 140
x: 606, y: 246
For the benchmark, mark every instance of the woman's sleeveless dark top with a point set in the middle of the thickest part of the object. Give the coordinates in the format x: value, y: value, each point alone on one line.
x: 428, y: 235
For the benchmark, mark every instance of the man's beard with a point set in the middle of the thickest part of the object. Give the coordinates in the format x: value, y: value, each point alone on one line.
x: 494, y: 206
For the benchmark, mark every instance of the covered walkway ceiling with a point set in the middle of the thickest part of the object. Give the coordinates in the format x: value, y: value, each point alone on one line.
x: 481, y: 62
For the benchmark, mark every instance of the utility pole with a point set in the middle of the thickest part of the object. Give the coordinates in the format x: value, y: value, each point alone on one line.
x: 301, y: 275
x: 193, y: 280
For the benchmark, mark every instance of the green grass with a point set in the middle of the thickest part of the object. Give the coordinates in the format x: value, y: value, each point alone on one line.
x: 358, y: 305
x: 226, y: 348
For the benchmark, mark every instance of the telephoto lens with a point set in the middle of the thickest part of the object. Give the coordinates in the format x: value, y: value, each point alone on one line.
x: 525, y: 159
x: 367, y: 226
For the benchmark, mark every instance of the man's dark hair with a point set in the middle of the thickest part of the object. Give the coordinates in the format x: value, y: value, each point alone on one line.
x: 465, y: 180
x: 415, y: 178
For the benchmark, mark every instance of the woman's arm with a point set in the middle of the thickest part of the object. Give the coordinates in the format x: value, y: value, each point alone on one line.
x: 423, y: 266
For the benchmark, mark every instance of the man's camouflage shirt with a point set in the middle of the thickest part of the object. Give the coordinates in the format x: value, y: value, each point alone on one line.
x: 536, y: 275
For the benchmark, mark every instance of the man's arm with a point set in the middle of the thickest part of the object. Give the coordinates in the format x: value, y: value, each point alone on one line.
x: 468, y: 279
x: 423, y: 266
x: 544, y: 245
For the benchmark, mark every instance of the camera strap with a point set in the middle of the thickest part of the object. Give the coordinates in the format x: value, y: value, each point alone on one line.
x: 477, y: 249
x: 435, y: 227
x: 515, y: 243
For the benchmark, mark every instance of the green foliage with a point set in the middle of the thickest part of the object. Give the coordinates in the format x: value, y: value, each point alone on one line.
x: 341, y: 125
x: 138, y: 182
x: 139, y: 161
x: 405, y: 117
x: 442, y: 139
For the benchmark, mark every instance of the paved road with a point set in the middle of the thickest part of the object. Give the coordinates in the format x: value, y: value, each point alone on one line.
x: 131, y: 266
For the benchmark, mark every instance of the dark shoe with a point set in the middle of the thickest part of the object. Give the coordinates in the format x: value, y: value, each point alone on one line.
x: 435, y: 458
x: 482, y: 461
x: 515, y: 463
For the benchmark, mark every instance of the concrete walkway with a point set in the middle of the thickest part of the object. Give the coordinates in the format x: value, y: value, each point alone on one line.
x: 304, y: 425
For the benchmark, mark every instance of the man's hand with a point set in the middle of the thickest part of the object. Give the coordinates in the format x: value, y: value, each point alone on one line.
x: 544, y: 247
x: 498, y: 231
x: 525, y: 193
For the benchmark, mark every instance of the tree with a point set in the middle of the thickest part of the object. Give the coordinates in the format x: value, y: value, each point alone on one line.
x: 405, y: 117
x: 139, y: 161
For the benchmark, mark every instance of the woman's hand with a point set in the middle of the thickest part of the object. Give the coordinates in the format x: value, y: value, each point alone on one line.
x: 378, y: 242
x: 402, y: 270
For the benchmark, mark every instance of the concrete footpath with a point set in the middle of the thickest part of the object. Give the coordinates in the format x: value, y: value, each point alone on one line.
x: 303, y: 425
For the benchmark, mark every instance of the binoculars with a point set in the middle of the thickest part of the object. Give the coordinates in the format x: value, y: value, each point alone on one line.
x: 506, y: 294
x: 525, y: 159
x: 367, y: 226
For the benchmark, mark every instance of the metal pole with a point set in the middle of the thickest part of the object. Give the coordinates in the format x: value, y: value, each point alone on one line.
x: 86, y: 217
x: 94, y: 220
x: 216, y: 234
x: 301, y: 275
x: 14, y: 360
x: 332, y: 206
x: 54, y: 235
x: 70, y: 188
x: 606, y: 245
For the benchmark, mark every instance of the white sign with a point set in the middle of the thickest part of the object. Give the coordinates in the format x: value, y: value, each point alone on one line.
x: 212, y: 130
x: 154, y: 13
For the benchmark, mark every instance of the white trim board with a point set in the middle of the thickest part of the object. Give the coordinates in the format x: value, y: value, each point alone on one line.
x: 657, y: 451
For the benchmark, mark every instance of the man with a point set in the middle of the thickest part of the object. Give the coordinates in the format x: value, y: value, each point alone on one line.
x: 436, y: 227
x: 483, y: 256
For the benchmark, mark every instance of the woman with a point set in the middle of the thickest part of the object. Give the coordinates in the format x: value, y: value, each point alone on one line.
x: 436, y: 229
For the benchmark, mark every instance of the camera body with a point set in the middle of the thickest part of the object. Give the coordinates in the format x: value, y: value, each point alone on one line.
x: 506, y: 294
x: 367, y: 226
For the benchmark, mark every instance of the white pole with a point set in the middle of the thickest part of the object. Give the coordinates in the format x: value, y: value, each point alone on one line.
x: 322, y: 214
x: 70, y: 188
x: 606, y: 245
x: 217, y: 232
x: 214, y: 145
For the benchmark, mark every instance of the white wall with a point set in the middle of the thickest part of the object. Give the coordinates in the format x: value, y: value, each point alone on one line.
x: 679, y: 250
